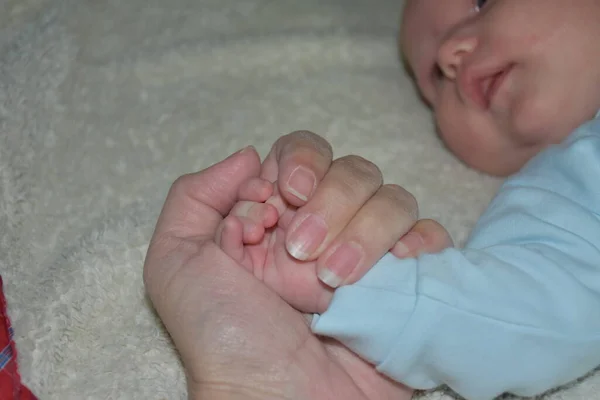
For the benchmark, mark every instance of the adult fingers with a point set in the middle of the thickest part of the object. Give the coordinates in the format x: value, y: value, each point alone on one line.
x: 197, y: 202
x: 350, y: 182
x: 427, y: 236
x: 193, y: 210
x: 374, y: 229
x: 297, y: 162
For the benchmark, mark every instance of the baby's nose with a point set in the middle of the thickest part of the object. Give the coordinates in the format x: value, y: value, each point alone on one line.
x: 452, y: 52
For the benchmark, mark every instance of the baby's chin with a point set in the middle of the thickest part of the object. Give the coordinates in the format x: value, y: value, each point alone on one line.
x: 489, y: 148
x: 492, y: 160
x: 506, y: 163
x: 500, y: 170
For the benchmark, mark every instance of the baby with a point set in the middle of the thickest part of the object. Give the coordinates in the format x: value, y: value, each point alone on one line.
x: 515, y: 88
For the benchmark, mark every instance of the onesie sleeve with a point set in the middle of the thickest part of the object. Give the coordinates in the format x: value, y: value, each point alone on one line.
x: 517, y: 310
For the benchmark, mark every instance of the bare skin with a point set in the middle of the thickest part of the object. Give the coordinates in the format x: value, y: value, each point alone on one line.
x: 508, y: 80
x: 505, y: 82
x: 254, y: 235
x: 237, y: 337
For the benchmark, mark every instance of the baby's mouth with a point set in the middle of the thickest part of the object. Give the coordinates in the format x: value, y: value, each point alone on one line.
x: 491, y: 84
x: 483, y: 90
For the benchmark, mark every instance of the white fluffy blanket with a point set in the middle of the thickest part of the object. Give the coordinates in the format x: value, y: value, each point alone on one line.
x: 104, y: 103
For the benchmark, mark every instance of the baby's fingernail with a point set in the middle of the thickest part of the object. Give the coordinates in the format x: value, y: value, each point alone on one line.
x: 243, y: 209
x: 301, y: 183
x: 341, y: 264
x: 409, y: 243
x: 277, y: 202
x: 306, y: 238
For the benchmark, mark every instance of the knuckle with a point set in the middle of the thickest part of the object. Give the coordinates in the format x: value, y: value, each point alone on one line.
x: 435, y: 233
x: 430, y: 225
x: 401, y: 198
x: 306, y: 140
x: 399, y: 194
x: 360, y: 169
x: 181, y: 185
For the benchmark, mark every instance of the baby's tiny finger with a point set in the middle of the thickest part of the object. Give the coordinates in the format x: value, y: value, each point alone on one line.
x: 231, y: 238
x: 261, y: 213
x: 253, y: 232
x: 256, y: 189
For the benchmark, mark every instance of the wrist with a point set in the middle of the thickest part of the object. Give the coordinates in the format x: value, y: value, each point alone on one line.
x: 231, y: 394
x: 227, y: 391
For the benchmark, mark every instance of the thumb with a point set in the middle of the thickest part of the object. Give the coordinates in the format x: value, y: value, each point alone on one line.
x: 197, y: 202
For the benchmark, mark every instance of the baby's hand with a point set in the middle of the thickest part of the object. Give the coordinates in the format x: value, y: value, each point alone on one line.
x: 254, y: 235
x: 242, y: 234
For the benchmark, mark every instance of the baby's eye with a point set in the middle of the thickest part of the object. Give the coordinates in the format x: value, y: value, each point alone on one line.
x: 480, y: 3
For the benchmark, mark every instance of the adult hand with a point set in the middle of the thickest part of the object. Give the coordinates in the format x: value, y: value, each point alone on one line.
x: 343, y: 203
x: 236, y: 337
x: 339, y: 214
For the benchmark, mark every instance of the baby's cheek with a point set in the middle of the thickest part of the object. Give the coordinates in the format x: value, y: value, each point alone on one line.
x: 460, y: 141
x: 451, y: 120
x: 475, y: 150
x: 470, y: 135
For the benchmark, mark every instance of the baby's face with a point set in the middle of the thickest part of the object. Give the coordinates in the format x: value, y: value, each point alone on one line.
x: 507, y: 80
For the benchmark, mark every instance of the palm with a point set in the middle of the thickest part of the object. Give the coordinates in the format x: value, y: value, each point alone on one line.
x: 296, y: 283
x: 284, y: 347
x: 236, y: 336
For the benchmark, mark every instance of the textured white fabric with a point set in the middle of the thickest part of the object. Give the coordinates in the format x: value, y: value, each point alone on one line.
x: 104, y: 103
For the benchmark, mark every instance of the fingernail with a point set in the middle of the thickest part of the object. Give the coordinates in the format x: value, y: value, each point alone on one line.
x: 307, y: 237
x: 340, y: 264
x: 243, y: 209
x: 409, y: 243
x: 245, y: 149
x: 301, y: 183
x: 277, y: 202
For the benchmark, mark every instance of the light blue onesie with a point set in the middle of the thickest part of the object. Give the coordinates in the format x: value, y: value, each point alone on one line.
x: 517, y: 310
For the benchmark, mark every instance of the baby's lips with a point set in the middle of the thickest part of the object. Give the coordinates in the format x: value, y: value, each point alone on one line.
x: 481, y: 88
